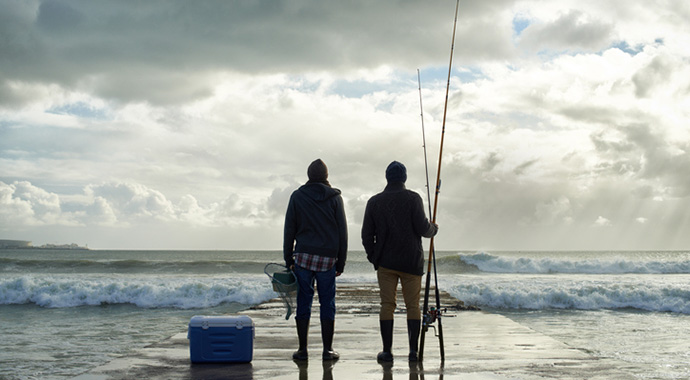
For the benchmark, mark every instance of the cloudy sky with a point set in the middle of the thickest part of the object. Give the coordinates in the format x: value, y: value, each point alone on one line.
x: 186, y: 125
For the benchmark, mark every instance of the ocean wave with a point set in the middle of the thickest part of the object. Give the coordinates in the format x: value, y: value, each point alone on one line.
x: 129, y: 266
x: 555, y: 292
x: 154, y: 292
x: 541, y: 265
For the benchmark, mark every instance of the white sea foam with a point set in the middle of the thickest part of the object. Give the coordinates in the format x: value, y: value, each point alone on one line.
x: 178, y: 292
x: 668, y: 294
x: 486, y: 262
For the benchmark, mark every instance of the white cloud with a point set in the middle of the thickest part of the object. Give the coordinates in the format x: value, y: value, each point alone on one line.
x: 100, y: 212
x: 14, y: 210
x: 133, y: 200
x: 21, y: 203
x: 602, y: 222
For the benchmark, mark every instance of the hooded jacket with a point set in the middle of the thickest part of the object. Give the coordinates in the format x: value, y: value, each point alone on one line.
x: 315, y: 224
x: 392, y: 230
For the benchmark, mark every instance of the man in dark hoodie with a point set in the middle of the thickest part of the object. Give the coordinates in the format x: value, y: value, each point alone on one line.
x: 394, y: 223
x: 315, y: 247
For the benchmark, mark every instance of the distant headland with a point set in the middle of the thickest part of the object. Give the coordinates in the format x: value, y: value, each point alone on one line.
x: 24, y: 244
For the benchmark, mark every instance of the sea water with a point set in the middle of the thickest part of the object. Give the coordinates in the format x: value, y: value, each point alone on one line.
x: 630, y: 306
x: 64, y: 312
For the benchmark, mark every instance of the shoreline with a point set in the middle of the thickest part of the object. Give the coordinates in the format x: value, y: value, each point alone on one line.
x: 478, y: 345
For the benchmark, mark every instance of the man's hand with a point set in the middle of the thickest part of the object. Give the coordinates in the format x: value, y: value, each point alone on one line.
x: 338, y: 274
x: 435, y: 227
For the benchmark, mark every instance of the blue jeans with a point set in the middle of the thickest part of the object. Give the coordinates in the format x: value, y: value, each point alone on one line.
x: 325, y: 284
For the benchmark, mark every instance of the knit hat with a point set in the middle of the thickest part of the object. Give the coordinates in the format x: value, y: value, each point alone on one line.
x: 396, y: 172
x: 317, y: 171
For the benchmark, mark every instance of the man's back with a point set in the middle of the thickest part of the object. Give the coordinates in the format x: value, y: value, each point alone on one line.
x: 394, y: 222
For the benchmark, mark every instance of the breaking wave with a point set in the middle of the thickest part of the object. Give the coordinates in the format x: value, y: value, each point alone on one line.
x: 535, y: 292
x: 486, y: 262
x: 152, y: 292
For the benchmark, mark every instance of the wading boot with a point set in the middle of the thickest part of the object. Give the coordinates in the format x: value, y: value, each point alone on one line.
x: 302, y: 333
x: 387, y: 337
x: 327, y: 332
x: 413, y: 326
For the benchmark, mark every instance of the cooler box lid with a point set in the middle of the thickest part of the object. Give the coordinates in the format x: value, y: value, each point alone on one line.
x: 237, y: 321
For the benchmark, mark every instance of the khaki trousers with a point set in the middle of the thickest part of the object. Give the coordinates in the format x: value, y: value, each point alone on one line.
x: 388, y: 285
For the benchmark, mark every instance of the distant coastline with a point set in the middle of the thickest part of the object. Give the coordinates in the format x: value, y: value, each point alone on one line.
x: 60, y: 246
x: 25, y: 244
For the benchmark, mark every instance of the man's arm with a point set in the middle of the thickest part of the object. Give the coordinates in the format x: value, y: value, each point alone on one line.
x: 342, y: 236
x: 289, y: 233
x: 369, y: 233
x: 422, y: 225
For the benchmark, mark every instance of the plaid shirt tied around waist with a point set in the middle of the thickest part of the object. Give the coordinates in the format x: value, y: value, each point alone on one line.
x: 314, y: 263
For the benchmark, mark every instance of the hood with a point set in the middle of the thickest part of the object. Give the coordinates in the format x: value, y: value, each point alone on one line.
x: 319, y: 191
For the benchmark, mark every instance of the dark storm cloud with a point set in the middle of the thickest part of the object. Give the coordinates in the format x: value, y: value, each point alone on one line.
x: 57, y: 16
x: 160, y: 51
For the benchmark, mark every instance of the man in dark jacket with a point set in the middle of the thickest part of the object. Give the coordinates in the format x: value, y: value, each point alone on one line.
x: 394, y: 223
x: 315, y: 220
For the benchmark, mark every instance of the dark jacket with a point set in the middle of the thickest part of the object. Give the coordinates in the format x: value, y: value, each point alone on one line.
x: 315, y: 218
x: 392, y: 230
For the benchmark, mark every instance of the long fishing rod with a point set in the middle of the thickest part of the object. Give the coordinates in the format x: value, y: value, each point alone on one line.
x: 426, y: 163
x: 429, y: 316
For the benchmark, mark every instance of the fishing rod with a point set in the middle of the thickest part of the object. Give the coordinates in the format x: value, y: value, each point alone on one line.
x: 430, y: 316
x: 426, y: 163
x: 434, y: 315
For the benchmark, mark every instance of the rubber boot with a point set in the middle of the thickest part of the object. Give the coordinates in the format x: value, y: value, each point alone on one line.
x: 413, y: 326
x: 327, y: 332
x: 302, y: 334
x: 387, y: 337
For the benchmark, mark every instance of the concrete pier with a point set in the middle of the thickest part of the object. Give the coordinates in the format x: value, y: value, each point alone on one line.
x: 478, y: 345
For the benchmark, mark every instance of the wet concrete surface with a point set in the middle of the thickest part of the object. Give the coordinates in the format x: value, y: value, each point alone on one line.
x: 478, y: 345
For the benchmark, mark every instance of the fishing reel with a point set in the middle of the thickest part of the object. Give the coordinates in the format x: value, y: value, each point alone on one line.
x: 430, y: 318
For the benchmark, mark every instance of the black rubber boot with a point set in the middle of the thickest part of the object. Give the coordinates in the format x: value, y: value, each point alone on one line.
x: 387, y: 337
x: 302, y: 334
x: 413, y: 326
x: 327, y: 332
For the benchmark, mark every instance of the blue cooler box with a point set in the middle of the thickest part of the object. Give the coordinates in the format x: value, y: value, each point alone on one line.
x: 221, y: 339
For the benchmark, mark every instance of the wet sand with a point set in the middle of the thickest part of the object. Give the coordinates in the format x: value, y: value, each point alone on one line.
x: 478, y: 345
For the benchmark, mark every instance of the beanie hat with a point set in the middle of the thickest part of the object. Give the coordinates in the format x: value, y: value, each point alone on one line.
x: 317, y: 171
x: 396, y: 172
